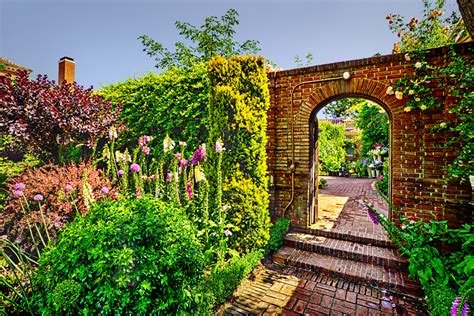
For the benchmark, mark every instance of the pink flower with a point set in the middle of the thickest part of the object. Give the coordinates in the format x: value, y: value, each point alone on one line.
x: 134, y: 167
x: 380, y: 178
x: 68, y: 187
x: 227, y: 233
x: 168, y: 177
x: 18, y: 193
x: 20, y: 186
x: 38, y: 197
x: 198, y: 155
x: 183, y: 163
x: 137, y: 193
x: 372, y: 186
x: 104, y: 190
x: 146, y: 150
x: 143, y: 140
x: 178, y: 156
x: 121, y: 172
x: 189, y: 189
x: 219, y: 147
x: 153, y: 178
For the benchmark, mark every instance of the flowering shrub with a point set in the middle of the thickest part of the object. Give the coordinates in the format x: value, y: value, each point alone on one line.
x: 51, y: 118
x: 239, y: 100
x: 136, y: 256
x: 56, y: 193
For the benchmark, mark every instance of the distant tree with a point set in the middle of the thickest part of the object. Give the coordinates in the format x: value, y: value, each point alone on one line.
x: 374, y: 124
x: 299, y: 61
x: 331, y: 144
x: 214, y: 37
x: 347, y: 107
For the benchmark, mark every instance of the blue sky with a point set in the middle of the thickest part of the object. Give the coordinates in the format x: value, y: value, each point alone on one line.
x: 101, y: 35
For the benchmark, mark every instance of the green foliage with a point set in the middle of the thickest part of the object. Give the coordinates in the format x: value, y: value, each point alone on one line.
x: 224, y: 279
x: 299, y: 61
x: 344, y: 107
x: 213, y: 38
x: 331, y: 142
x: 136, y: 256
x: 239, y: 100
x: 374, y: 123
x: 277, y: 234
x: 173, y: 103
x: 322, y: 183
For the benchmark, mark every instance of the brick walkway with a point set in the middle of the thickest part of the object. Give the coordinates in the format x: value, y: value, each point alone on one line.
x: 343, y: 265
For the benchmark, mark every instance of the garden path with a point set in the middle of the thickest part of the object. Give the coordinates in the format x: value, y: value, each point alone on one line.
x: 343, y: 265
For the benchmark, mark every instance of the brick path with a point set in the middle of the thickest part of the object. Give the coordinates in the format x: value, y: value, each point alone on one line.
x: 343, y: 265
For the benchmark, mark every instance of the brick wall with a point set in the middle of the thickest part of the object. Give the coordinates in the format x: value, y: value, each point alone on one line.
x: 418, y: 158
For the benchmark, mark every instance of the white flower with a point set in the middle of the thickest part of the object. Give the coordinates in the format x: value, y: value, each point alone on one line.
x: 418, y: 65
x: 407, y: 57
x: 407, y: 109
x: 390, y: 90
x: 398, y: 95
x: 442, y: 125
x: 182, y: 144
x: 168, y: 144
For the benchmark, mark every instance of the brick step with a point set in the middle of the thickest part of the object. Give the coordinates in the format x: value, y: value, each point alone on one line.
x: 360, y: 238
x: 386, y: 257
x: 390, y: 279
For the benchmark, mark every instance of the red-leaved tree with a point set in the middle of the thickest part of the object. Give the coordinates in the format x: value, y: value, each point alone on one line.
x: 50, y: 118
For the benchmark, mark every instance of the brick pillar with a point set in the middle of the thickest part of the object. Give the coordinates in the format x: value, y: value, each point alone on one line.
x: 66, y: 70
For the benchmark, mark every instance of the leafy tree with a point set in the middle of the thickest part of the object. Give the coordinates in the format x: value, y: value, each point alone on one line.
x: 374, y: 123
x: 347, y: 107
x: 331, y: 144
x: 299, y: 61
x: 214, y: 37
x: 51, y: 118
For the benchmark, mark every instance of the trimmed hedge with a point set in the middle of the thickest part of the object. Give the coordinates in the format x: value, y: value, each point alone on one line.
x: 238, y: 104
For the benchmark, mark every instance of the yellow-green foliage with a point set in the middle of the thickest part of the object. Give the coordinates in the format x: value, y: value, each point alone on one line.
x: 238, y: 104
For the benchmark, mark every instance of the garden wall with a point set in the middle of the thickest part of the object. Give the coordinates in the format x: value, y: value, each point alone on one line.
x: 418, y: 156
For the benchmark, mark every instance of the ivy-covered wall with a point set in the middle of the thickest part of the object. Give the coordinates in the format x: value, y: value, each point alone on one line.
x: 238, y: 104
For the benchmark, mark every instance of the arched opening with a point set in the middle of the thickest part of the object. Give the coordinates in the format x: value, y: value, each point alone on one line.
x: 350, y: 147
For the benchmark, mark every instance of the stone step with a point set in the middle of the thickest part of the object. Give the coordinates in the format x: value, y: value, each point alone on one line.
x: 360, y: 238
x: 386, y: 257
x: 390, y: 279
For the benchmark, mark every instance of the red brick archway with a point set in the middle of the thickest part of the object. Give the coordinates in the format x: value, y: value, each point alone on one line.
x: 418, y: 159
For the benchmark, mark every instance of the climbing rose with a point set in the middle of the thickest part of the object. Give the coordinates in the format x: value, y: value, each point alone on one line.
x: 390, y: 90
x: 38, y: 197
x: 20, y: 186
x: 104, y: 190
x: 418, y: 65
x: 399, y: 95
x: 407, y: 57
x: 219, y: 147
x: 134, y: 167
x: 423, y: 107
x: 442, y: 125
x: 407, y: 109
x: 417, y: 99
x: 410, y: 92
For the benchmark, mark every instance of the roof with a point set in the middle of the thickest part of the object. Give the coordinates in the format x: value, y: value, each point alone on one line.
x: 11, y: 67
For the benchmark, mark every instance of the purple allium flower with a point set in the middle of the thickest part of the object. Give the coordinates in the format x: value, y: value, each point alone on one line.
x: 178, y: 156
x: 373, y: 216
x: 219, y: 147
x: 198, y: 155
x: 68, y: 187
x: 121, y: 172
x: 20, y: 186
x: 465, y: 310
x: 168, y: 177
x: 18, y: 193
x: 38, y: 197
x: 183, y: 163
x: 189, y: 189
x: 104, y: 190
x: 227, y: 233
x: 134, y: 167
x: 455, y: 306
x: 146, y: 150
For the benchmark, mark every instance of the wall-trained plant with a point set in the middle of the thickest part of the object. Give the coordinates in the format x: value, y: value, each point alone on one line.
x: 238, y: 104
x: 137, y: 256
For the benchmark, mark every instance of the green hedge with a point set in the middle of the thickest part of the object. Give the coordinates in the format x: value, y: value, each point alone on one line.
x: 331, y: 141
x: 238, y: 104
x: 131, y: 257
x: 173, y: 103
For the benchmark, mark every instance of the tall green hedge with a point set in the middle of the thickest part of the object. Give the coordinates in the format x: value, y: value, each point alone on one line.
x: 238, y: 104
x: 331, y: 145
x: 173, y: 103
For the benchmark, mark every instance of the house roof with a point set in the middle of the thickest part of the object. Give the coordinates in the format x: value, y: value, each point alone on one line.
x: 11, y: 67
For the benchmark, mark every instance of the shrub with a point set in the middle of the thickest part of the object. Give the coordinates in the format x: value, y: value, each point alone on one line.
x: 173, y: 103
x: 65, y: 189
x: 52, y: 118
x: 277, y: 234
x: 130, y: 257
x: 331, y: 142
x: 239, y: 100
x: 322, y: 183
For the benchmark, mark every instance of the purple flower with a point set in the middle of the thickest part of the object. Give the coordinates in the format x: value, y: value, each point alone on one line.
x: 168, y: 177
x: 18, y: 193
x: 455, y: 306
x: 373, y: 216
x: 20, y: 186
x: 189, y: 189
x: 146, y: 150
x: 198, y: 155
x: 219, y: 147
x: 227, y: 233
x: 38, y: 197
x: 183, y: 163
x: 68, y: 187
x: 465, y: 310
x: 104, y: 190
x: 134, y: 167
x: 121, y: 172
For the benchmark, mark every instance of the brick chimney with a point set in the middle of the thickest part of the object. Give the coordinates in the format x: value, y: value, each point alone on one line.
x: 66, y: 70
